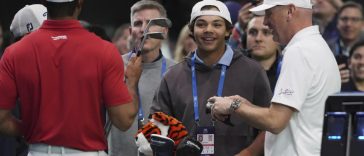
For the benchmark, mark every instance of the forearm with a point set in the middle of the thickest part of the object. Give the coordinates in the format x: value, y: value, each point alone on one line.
x: 273, y: 119
x: 122, y: 115
x: 9, y: 125
x: 132, y: 88
x: 258, y: 117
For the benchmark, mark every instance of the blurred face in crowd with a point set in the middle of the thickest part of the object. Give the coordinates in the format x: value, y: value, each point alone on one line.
x: 139, y: 22
x: 323, y: 8
x: 260, y: 39
x: 210, y: 33
x: 122, y: 42
x: 275, y: 19
x: 350, y: 24
x: 356, y: 64
x: 189, y: 45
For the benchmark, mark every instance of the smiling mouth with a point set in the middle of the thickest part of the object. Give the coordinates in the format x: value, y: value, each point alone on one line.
x: 208, y: 39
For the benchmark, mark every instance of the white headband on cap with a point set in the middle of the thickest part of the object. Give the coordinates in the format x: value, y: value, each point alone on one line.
x: 267, y: 4
x: 222, y: 10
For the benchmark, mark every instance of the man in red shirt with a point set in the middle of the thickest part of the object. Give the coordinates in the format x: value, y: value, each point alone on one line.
x: 63, y: 76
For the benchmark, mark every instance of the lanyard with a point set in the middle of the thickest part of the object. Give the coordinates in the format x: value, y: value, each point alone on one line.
x: 279, y: 66
x: 194, y: 86
x: 163, y: 70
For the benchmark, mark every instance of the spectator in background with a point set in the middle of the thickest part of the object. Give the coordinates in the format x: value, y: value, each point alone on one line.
x: 356, y: 66
x: 263, y: 48
x: 238, y: 36
x: 154, y: 64
x: 120, y: 38
x: 26, y: 20
x: 350, y: 23
x: 185, y: 44
x: 324, y: 15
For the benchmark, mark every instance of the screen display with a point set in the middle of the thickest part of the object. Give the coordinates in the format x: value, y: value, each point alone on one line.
x: 360, y: 125
x: 336, y: 122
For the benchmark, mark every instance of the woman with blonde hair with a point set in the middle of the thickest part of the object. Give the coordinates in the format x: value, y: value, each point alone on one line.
x: 185, y: 44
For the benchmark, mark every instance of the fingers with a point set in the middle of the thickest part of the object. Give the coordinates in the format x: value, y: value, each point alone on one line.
x: 212, y: 99
x: 247, y: 6
x: 342, y: 66
x: 245, y: 15
x: 217, y: 116
x: 345, y: 75
x: 134, y: 69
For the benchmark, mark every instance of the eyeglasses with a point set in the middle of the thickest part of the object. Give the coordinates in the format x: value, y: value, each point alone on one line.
x: 346, y: 19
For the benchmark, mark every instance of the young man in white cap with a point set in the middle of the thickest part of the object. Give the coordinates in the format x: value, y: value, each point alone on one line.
x: 295, y: 117
x: 64, y: 76
x: 213, y: 69
x: 28, y: 19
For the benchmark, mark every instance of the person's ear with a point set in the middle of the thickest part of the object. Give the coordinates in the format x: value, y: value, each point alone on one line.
x: 291, y: 10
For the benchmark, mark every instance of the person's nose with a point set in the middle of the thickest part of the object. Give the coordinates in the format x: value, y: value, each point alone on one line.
x: 144, y: 26
x: 259, y: 36
x: 209, y: 28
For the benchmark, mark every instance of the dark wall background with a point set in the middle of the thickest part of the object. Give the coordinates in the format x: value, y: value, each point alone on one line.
x: 108, y: 13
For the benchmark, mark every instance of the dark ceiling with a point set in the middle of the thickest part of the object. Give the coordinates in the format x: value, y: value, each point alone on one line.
x: 108, y: 13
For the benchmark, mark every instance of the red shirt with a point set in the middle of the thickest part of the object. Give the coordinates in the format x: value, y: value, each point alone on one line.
x: 63, y: 75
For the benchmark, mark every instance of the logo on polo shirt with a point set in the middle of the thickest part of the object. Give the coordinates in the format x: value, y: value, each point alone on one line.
x: 286, y: 92
x: 61, y: 37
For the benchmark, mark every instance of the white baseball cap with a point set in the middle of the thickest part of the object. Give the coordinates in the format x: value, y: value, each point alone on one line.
x: 267, y: 4
x: 28, y: 19
x: 222, y: 10
x: 60, y: 1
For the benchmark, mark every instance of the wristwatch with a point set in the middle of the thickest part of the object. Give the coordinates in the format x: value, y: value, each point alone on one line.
x: 235, y: 105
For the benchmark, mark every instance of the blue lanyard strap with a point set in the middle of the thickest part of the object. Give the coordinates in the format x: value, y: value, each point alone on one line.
x: 164, y: 66
x: 279, y: 66
x: 163, y: 70
x: 194, y: 86
x: 338, y: 48
x: 194, y: 89
x: 221, y: 81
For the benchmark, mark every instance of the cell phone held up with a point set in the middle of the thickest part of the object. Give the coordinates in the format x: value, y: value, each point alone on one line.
x: 342, y: 59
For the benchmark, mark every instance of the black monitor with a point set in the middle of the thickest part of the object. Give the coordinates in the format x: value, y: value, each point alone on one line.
x: 343, y: 129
